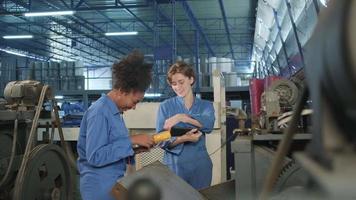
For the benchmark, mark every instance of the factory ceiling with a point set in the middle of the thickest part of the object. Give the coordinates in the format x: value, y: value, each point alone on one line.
x: 282, y: 28
x: 221, y: 28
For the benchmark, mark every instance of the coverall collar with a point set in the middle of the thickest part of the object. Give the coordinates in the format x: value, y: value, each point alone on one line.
x: 181, y: 100
x: 113, y: 108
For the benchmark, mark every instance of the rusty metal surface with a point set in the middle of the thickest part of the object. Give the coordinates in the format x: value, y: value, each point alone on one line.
x: 170, y: 185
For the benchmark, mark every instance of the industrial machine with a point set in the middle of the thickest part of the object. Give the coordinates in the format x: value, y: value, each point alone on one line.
x: 277, y: 99
x: 28, y: 169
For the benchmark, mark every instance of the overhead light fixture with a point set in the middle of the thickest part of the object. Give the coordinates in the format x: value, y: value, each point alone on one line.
x: 17, y: 36
x: 151, y: 95
x: 59, y: 97
x: 121, y: 33
x: 37, y: 14
x: 14, y: 53
x: 22, y: 54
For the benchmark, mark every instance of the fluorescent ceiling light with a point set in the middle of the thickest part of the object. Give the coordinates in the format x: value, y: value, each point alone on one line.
x: 17, y: 36
x: 148, y: 95
x: 59, y: 97
x: 36, y: 14
x: 19, y: 53
x: 121, y: 33
x: 14, y: 53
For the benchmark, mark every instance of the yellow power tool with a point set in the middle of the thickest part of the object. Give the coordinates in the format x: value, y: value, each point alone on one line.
x: 166, y: 135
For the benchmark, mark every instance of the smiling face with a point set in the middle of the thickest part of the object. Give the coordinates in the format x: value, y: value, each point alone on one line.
x: 129, y: 100
x: 181, y: 85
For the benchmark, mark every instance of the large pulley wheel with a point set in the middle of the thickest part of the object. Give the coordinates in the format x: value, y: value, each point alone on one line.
x: 47, y: 175
x: 287, y: 91
x: 292, y: 175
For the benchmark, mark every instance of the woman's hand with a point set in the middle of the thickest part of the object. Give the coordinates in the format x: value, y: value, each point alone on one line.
x: 169, y: 123
x: 191, y: 136
x: 142, y: 140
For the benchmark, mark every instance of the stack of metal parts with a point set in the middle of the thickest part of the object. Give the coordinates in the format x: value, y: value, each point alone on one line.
x: 29, y: 170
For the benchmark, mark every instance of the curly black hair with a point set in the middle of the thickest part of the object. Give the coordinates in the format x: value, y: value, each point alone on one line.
x: 132, y: 73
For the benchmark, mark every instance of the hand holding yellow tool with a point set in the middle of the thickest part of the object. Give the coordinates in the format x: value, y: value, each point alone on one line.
x: 162, y: 136
x: 166, y: 135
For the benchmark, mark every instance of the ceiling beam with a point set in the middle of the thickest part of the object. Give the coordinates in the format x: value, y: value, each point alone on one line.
x: 226, y: 28
x: 68, y: 36
x: 198, y: 27
x: 118, y: 2
x: 79, y: 4
x: 79, y: 9
x: 180, y: 35
x: 60, y: 49
x: 93, y: 28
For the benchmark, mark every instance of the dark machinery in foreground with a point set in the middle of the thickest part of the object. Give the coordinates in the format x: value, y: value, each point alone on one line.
x: 330, y: 159
x: 28, y: 169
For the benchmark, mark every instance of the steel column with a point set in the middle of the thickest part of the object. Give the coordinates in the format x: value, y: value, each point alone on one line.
x: 174, y: 32
x: 179, y: 34
x: 279, y: 64
x: 197, y: 84
x: 226, y: 28
x: 281, y: 38
x: 156, y: 31
x: 196, y: 24
x: 136, y: 17
x: 300, y: 49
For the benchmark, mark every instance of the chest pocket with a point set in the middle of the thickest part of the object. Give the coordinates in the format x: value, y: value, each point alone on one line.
x: 117, y: 130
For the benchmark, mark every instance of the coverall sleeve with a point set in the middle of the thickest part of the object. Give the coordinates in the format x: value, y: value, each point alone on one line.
x: 206, y: 118
x: 162, y: 115
x: 100, y: 151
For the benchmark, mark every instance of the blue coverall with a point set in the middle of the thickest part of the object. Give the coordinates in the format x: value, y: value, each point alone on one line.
x: 104, y: 147
x: 189, y: 160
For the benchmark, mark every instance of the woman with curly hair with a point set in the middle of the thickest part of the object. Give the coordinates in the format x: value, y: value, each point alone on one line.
x: 104, y: 145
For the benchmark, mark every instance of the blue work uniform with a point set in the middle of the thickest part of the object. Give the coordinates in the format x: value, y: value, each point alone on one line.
x: 104, y: 147
x: 189, y: 160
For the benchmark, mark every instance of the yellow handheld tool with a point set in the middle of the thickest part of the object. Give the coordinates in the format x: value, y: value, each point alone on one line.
x: 162, y: 136
x: 166, y: 135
